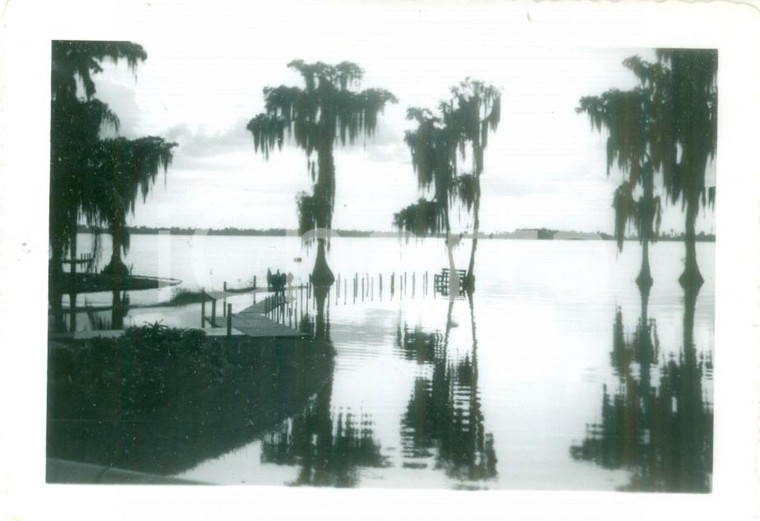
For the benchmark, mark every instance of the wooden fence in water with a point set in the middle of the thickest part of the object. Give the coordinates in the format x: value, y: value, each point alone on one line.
x: 292, y: 304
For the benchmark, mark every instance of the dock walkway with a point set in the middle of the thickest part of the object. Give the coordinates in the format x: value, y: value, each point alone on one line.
x: 256, y: 325
x: 251, y: 322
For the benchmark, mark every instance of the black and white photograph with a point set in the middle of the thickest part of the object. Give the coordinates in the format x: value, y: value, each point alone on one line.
x: 400, y: 246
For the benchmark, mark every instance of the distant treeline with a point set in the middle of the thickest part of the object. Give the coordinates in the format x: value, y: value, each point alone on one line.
x: 269, y: 232
x: 522, y: 233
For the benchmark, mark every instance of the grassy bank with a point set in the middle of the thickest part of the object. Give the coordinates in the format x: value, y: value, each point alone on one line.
x: 160, y: 400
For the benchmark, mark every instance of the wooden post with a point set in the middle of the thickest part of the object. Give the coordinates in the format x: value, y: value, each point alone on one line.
x: 380, y: 284
x: 224, y: 302
x: 203, y: 308
x: 229, y: 320
x: 393, y: 284
x: 213, y: 313
x: 414, y: 282
x: 362, y: 289
x: 254, y: 282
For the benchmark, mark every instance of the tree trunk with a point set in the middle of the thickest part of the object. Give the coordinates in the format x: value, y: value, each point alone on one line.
x: 644, y: 279
x: 116, y: 268
x: 73, y: 256
x: 55, y: 293
x: 117, y: 312
x: 453, y: 274
x: 694, y: 461
x: 320, y: 294
x: 691, y: 277
x: 470, y: 278
x: 324, y: 192
x: 116, y: 246
x: 477, y: 151
x: 646, y: 358
x: 690, y: 304
x: 449, y: 324
x: 321, y: 276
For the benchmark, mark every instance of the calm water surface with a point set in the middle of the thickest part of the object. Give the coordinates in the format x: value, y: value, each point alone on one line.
x: 547, y: 379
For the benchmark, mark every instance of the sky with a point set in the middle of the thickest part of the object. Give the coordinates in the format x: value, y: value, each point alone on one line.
x: 544, y: 166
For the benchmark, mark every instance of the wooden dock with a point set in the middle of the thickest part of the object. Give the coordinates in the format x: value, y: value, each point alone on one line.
x: 279, y: 313
x: 253, y: 323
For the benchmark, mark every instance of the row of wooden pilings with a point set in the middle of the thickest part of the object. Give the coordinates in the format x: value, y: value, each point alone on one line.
x: 364, y: 286
x: 226, y: 308
x: 286, y: 306
x: 226, y: 313
x: 349, y: 290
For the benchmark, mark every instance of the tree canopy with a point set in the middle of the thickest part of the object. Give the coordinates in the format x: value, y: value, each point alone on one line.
x: 461, y: 126
x: 77, y: 119
x: 89, y: 176
x: 124, y: 170
x: 327, y: 109
x: 632, y: 119
x: 666, y: 125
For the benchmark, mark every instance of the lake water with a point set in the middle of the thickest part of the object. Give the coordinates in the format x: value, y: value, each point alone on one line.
x: 545, y: 380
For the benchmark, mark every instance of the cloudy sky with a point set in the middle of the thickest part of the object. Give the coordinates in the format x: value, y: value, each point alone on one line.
x: 201, y: 85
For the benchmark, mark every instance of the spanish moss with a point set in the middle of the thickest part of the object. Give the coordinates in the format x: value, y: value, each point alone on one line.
x: 423, y: 218
x: 326, y: 110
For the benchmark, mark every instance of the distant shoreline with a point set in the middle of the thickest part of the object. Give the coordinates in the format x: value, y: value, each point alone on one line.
x: 522, y: 234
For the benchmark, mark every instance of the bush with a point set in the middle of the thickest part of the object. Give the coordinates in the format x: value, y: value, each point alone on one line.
x: 138, y: 371
x: 183, y: 296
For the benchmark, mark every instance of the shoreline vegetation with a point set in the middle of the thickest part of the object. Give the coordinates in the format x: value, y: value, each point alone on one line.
x: 155, y: 385
x: 522, y: 233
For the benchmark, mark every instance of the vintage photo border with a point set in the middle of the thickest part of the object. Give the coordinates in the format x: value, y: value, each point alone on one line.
x: 27, y: 29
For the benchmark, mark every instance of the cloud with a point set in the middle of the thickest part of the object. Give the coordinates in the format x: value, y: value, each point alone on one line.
x: 200, y: 143
x: 123, y: 102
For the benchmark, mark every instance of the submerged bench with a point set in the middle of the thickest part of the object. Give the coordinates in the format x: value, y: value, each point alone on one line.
x: 441, y: 280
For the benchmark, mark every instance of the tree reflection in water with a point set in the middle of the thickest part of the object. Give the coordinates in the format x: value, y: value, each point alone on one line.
x: 444, y: 420
x: 662, y: 433
x: 329, y: 448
